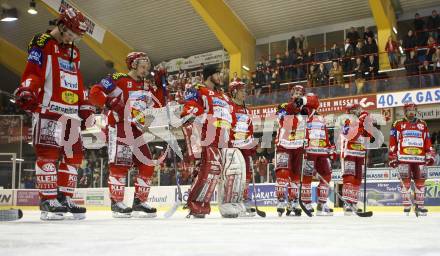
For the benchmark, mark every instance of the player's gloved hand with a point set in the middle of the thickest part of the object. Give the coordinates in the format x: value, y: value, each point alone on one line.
x: 392, y: 160
x: 429, y: 160
x: 116, y: 105
x: 332, y: 153
x: 299, y: 102
x: 26, y: 99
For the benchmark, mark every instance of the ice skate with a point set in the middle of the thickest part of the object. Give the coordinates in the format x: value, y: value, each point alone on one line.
x: 143, y: 210
x: 248, y: 209
x: 52, y: 209
x: 421, y: 210
x: 120, y: 210
x: 281, y: 207
x: 77, y: 212
x: 293, y: 209
x: 348, y: 209
x: 323, y: 210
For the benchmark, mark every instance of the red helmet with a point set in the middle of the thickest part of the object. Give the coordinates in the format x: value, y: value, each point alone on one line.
x: 299, y: 88
x: 350, y: 106
x: 134, y: 58
x: 409, y: 105
x: 236, y: 85
x: 73, y: 20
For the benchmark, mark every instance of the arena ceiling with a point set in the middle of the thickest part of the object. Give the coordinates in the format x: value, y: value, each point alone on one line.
x: 171, y: 28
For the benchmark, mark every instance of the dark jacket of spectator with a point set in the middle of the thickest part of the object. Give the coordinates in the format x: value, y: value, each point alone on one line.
x: 419, y: 23
x: 372, y: 67
x: 368, y: 33
x: 412, y: 65
x: 312, y: 78
x: 359, y: 70
x: 334, y: 53
x: 291, y: 45
x: 322, y: 75
x: 433, y: 21
x: 371, y: 46
x: 353, y: 35
x: 409, y: 42
x: 348, y: 50
x: 360, y: 50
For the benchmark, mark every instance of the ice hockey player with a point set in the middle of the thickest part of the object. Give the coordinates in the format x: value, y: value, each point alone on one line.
x: 353, y: 153
x: 242, y: 137
x: 125, y: 95
x: 210, y: 110
x: 52, y: 89
x: 289, y: 153
x: 410, y: 151
x: 318, y: 153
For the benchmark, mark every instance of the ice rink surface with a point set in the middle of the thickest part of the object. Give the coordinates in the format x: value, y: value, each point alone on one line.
x: 100, y: 234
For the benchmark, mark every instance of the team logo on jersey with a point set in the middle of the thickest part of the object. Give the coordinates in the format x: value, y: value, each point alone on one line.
x: 69, y: 97
x: 318, y: 143
x: 36, y: 56
x: 412, y: 151
x: 66, y: 65
x: 49, y: 167
x: 421, y: 126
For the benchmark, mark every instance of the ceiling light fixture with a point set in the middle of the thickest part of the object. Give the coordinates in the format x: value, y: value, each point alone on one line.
x: 9, y: 14
x: 32, y: 8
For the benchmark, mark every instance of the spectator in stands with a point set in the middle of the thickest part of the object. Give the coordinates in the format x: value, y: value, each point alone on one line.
x: 372, y: 66
x: 288, y: 63
x: 431, y: 48
x: 433, y: 25
x: 322, y: 75
x: 334, y: 53
x: 371, y: 46
x: 409, y: 43
x: 302, y: 42
x: 353, y: 35
x: 308, y: 60
x: 360, y: 50
x: 412, y: 69
x: 279, y: 66
x: 260, y: 73
x: 419, y: 26
x: 392, y: 50
x: 262, y: 168
x: 312, y: 78
x: 359, y: 75
x: 348, y: 54
x: 299, y: 65
x: 235, y: 77
x: 268, y: 72
x: 368, y: 33
x: 291, y: 44
x: 337, y: 73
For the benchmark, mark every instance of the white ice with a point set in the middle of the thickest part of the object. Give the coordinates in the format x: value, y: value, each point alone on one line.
x: 100, y: 234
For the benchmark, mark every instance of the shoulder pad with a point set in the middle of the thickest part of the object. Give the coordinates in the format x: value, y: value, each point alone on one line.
x: 108, y: 83
x: 192, y: 94
x: 396, y: 122
x: 39, y: 40
x: 117, y: 76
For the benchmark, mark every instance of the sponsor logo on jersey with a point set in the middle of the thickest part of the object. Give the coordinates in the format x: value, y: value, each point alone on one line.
x: 69, y: 97
x: 315, y: 125
x: 412, y: 151
x: 356, y: 146
x: 63, y: 109
x: 42, y: 40
x: 317, y: 143
x: 240, y: 135
x: 222, y: 124
x: 412, y: 142
x: 66, y: 65
x: 412, y: 133
x: 242, y: 117
x: 191, y: 94
x: 68, y: 81
x: 36, y: 56
x: 219, y: 102
x: 241, y: 127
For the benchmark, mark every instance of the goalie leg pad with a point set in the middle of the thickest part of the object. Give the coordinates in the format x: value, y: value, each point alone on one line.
x: 204, y: 185
x: 232, y: 184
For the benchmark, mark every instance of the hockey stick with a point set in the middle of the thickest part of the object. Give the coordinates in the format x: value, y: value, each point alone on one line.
x: 353, y: 207
x: 10, y: 215
x: 259, y: 212
x: 365, y: 180
x: 178, y: 202
x: 416, y: 210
